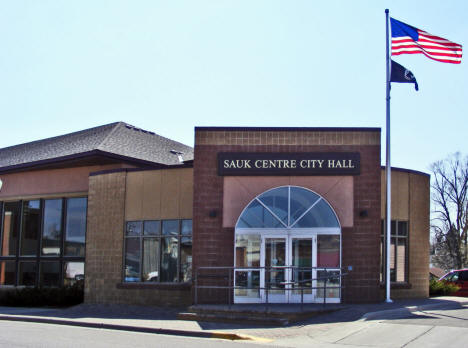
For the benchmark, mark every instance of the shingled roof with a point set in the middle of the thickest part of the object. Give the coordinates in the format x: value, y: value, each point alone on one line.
x: 114, y: 140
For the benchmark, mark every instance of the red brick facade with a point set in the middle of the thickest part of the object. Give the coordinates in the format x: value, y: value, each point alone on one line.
x: 213, y: 245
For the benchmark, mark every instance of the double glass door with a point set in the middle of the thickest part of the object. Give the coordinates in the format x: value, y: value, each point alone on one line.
x: 288, y: 263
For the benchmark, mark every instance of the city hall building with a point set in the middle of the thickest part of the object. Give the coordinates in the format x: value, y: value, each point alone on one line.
x: 249, y: 215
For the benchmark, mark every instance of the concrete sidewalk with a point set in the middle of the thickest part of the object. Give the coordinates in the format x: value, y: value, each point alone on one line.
x: 165, y: 321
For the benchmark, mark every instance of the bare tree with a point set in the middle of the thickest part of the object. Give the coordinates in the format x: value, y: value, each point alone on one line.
x: 450, y: 222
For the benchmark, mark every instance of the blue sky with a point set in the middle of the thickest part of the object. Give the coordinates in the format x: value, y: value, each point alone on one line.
x: 167, y: 66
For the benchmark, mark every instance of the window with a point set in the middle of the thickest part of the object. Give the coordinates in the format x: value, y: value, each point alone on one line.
x: 464, y: 276
x: 27, y: 273
x: 328, y: 250
x: 288, y: 207
x: 75, y: 227
x: 7, y: 273
x: 453, y: 277
x: 11, y: 226
x: 158, y: 251
x: 73, y: 272
x: 42, y: 242
x: 31, y: 227
x: 248, y: 255
x: 52, y: 230
x: 398, y: 251
x: 50, y: 273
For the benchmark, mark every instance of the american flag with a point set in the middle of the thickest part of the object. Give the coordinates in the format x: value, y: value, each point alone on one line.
x: 410, y: 40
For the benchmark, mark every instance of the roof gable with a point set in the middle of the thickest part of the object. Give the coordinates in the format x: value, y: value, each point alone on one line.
x: 116, y: 140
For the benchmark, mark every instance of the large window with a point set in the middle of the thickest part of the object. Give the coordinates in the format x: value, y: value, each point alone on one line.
x: 398, y: 251
x: 158, y: 251
x: 42, y: 242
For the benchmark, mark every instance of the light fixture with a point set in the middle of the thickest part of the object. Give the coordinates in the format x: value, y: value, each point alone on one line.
x: 213, y: 213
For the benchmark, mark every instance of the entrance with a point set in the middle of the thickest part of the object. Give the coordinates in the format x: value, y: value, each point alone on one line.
x: 288, y: 241
x: 289, y: 263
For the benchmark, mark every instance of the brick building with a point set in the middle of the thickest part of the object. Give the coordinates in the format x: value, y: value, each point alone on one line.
x: 282, y: 214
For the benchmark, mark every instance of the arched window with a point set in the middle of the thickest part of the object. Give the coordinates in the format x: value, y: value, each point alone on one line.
x: 288, y: 207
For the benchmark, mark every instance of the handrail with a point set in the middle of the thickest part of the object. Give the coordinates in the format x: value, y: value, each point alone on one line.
x: 296, y: 285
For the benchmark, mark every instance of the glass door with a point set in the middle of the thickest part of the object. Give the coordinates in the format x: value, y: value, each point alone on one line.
x: 287, y: 275
x: 275, y: 271
x: 302, y: 275
x: 294, y: 268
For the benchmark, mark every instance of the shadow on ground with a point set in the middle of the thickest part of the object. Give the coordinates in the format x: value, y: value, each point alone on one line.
x: 343, y: 313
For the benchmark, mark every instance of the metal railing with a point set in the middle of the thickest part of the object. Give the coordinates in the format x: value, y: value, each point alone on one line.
x: 327, y: 275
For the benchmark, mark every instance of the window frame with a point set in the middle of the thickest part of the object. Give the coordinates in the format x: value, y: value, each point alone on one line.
x: 159, y: 237
x: 383, y: 255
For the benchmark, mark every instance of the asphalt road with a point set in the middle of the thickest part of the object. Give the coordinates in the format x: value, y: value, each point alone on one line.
x: 444, y: 327
x: 22, y: 334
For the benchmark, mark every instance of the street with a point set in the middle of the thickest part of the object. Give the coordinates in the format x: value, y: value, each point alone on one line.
x: 23, y: 334
x: 446, y: 326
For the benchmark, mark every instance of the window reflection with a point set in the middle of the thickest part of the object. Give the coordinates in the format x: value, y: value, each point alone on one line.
x: 50, y: 274
x: 151, y: 248
x: 185, y: 259
x: 328, y: 250
x: 247, y: 284
x: 52, y: 229
x: 31, y: 241
x: 75, y: 227
x: 158, y: 251
x: 288, y: 206
x: 30, y: 228
x: 169, y: 256
x: 328, y: 283
x: 27, y: 273
x: 170, y: 227
x: 7, y: 272
x: 248, y: 250
x: 73, y: 273
x: 132, y: 260
x: 11, y: 225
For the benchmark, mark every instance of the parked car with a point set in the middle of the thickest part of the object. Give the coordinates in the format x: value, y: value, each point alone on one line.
x: 459, y: 278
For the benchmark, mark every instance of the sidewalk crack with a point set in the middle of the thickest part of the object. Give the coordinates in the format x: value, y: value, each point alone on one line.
x: 351, y: 334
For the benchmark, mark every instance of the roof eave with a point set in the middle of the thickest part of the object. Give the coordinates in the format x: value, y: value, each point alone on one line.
x: 51, y: 161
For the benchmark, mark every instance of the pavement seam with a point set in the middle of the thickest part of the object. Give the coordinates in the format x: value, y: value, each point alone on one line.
x: 420, y: 335
x: 119, y: 327
x: 352, y: 333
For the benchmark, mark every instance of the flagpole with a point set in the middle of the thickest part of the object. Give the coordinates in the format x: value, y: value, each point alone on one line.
x: 388, y: 216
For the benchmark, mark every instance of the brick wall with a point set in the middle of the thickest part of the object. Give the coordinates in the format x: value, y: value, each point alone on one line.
x: 410, y: 202
x: 213, y: 245
x: 104, y: 251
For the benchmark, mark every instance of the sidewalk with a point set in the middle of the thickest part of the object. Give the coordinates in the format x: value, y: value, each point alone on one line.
x: 164, y: 320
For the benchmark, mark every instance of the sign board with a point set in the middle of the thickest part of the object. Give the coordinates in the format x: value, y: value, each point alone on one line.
x: 287, y: 163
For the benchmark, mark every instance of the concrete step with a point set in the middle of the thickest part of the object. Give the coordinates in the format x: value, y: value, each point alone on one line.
x: 233, y: 318
x: 273, y: 315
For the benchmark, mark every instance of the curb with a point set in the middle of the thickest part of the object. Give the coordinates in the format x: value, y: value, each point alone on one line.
x: 409, y: 309
x: 174, y: 332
